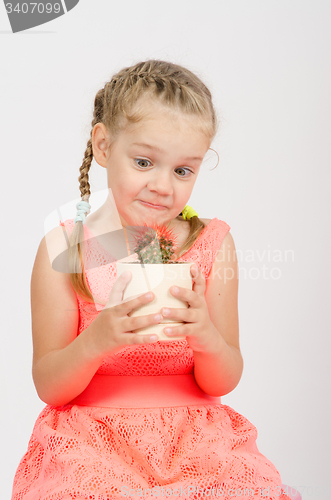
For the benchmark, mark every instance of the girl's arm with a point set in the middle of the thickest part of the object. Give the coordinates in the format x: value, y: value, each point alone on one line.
x: 218, y: 372
x: 210, y: 323
x: 64, y: 363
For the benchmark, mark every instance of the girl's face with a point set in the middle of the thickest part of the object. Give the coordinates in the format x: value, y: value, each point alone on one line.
x: 152, y: 166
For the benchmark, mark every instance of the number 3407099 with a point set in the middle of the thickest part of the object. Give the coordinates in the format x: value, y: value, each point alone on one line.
x: 29, y: 7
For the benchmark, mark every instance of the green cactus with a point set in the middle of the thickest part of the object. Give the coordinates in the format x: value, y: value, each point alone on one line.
x: 155, y: 245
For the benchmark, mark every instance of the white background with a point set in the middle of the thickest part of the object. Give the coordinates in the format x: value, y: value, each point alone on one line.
x: 267, y: 64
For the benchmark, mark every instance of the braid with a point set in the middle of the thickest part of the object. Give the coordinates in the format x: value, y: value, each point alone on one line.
x: 76, y: 244
x: 84, y: 185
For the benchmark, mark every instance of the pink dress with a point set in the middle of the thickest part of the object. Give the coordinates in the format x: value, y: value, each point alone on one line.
x: 100, y: 452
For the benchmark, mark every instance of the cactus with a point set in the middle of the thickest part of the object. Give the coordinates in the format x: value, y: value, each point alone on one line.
x: 155, y: 244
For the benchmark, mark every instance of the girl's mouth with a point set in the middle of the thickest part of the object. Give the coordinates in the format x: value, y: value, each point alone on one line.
x: 150, y: 205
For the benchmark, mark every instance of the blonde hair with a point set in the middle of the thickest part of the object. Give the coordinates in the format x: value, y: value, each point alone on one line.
x: 117, y: 105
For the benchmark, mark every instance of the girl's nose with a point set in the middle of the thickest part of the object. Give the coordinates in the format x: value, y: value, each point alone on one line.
x: 161, y: 183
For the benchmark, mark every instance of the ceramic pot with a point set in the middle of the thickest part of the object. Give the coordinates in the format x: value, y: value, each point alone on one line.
x: 157, y: 278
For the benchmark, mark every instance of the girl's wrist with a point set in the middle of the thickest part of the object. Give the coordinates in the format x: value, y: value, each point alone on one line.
x: 218, y: 370
x: 91, y: 342
x: 214, y: 346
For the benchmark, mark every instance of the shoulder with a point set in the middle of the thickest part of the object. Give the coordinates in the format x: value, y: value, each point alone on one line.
x: 218, y: 230
x: 52, y: 255
x: 216, y: 222
x: 205, y: 221
x: 221, y: 244
x: 228, y: 246
x: 50, y: 279
x: 225, y: 261
x: 54, y: 246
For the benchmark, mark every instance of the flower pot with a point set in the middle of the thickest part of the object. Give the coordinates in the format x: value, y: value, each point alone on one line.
x: 157, y: 278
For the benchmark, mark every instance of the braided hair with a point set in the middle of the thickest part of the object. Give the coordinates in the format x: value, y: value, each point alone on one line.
x: 119, y: 104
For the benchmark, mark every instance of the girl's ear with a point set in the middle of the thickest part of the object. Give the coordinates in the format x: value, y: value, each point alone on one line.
x: 100, y: 142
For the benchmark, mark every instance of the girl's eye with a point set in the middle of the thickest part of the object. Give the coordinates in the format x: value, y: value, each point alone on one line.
x: 142, y: 163
x: 182, y: 170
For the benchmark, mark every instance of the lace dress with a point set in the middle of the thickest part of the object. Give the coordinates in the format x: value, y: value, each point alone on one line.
x: 182, y: 451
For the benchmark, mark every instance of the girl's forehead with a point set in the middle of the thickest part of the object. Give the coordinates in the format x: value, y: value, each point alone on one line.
x: 155, y: 134
x: 153, y: 112
x: 164, y: 125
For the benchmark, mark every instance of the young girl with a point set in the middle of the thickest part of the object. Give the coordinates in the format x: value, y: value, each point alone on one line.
x: 129, y: 415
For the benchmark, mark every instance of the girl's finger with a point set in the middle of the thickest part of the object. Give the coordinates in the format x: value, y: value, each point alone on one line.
x: 134, y: 338
x: 127, y: 305
x: 136, y: 322
x: 116, y: 293
x: 187, y: 315
x: 194, y: 271
x: 178, y: 331
x: 186, y: 295
x: 130, y: 303
x: 199, y: 280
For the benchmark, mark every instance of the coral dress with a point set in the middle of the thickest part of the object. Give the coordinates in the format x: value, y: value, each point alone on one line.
x: 154, y: 443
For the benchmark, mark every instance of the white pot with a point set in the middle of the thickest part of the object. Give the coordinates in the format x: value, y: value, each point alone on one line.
x: 157, y: 278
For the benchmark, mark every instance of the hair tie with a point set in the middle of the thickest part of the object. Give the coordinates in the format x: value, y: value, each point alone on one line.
x: 82, y: 208
x: 189, y: 212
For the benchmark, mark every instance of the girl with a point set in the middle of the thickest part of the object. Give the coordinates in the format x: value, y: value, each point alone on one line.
x: 101, y: 435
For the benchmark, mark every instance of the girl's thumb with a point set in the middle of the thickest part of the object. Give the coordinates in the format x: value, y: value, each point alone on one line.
x: 116, y: 293
x: 126, y: 275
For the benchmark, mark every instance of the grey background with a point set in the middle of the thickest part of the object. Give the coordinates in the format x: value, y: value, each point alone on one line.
x: 267, y: 64
x: 24, y: 15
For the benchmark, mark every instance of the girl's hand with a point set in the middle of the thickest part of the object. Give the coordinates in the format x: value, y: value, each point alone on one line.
x: 114, y: 325
x: 198, y: 329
